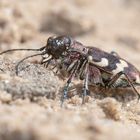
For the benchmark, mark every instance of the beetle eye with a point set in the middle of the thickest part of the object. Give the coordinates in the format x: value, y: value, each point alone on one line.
x: 49, y: 41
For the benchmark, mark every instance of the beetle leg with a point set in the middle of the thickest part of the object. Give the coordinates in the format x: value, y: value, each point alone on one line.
x: 65, y: 91
x: 114, y: 79
x: 81, y: 70
x: 132, y: 85
x: 71, y: 66
x: 85, y: 90
x: 53, y: 67
x: 45, y: 59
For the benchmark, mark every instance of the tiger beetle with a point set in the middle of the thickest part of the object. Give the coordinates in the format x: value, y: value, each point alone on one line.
x: 90, y: 64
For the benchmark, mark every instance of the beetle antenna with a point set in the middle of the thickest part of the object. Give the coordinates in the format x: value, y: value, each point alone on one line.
x: 24, y: 60
x: 40, y: 49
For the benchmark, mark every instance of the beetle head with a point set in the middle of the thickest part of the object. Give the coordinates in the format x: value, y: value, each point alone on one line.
x: 58, y: 46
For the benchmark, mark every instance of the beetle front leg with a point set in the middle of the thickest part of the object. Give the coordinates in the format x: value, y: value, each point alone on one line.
x: 85, y: 90
x: 46, y: 61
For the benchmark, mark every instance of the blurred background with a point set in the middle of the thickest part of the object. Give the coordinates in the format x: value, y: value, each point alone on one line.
x: 110, y: 25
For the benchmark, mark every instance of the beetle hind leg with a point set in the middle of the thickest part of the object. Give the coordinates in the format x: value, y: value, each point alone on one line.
x: 132, y: 85
x: 117, y: 76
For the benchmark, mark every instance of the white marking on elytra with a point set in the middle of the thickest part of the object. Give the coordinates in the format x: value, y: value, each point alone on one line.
x: 90, y: 58
x: 137, y: 79
x: 103, y: 63
x: 120, y: 66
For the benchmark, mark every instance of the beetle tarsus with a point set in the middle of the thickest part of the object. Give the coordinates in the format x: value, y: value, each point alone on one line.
x: 64, y: 96
x: 85, y: 90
